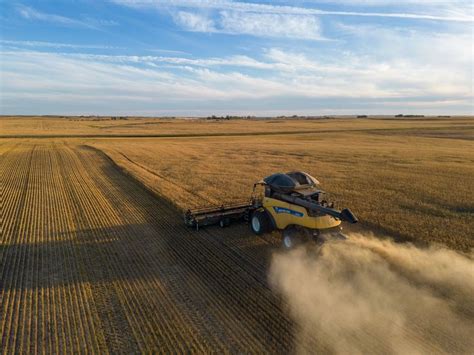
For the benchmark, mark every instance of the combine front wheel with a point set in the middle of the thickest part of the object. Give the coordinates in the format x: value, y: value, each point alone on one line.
x: 260, y: 223
x: 293, y: 236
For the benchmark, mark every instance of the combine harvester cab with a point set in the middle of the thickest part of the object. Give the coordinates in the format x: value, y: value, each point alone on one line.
x: 291, y: 203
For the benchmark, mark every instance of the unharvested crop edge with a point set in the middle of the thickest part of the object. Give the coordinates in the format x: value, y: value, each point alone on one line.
x: 129, y: 175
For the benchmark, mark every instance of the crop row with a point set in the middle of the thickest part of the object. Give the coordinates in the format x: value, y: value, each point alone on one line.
x: 92, y: 262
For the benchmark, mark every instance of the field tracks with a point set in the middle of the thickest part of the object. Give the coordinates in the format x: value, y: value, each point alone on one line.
x: 92, y: 262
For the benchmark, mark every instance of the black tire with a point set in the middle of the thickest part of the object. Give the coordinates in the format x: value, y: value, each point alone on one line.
x: 292, y: 237
x: 224, y: 222
x: 260, y: 222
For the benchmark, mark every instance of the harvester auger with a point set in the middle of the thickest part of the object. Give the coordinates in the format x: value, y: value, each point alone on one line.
x: 291, y: 203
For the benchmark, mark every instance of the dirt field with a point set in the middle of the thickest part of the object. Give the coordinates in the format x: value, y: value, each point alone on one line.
x: 94, y: 255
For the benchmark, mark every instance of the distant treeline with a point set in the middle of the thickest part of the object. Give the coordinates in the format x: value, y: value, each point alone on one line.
x: 410, y: 116
x: 96, y: 118
x: 231, y: 117
x: 401, y: 115
x: 227, y: 117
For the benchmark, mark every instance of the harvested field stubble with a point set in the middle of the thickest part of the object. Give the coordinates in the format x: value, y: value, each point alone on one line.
x: 92, y: 262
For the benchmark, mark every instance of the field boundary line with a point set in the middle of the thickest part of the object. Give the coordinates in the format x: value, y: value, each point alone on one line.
x: 217, y: 134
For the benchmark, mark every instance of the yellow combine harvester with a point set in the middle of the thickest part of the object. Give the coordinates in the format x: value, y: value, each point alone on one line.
x: 291, y: 202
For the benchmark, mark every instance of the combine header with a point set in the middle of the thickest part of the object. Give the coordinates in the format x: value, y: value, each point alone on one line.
x: 291, y: 202
x: 222, y: 215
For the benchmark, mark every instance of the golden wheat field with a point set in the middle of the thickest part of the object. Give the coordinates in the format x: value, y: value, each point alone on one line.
x: 95, y: 257
x: 411, y: 182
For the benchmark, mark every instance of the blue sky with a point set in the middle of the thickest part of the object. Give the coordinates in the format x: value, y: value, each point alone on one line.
x: 172, y: 57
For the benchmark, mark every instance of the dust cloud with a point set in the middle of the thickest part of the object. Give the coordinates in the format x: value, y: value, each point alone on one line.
x: 367, y: 295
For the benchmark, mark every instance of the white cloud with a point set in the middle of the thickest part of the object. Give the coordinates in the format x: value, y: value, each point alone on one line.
x: 107, y: 83
x: 194, y: 22
x: 393, y: 3
x: 168, y: 51
x: 232, y: 61
x: 32, y: 14
x: 270, y: 25
x: 428, y: 14
x: 254, y: 24
x: 400, y: 68
x: 88, y: 22
x: 54, y: 45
